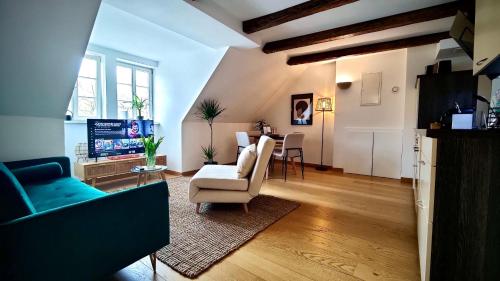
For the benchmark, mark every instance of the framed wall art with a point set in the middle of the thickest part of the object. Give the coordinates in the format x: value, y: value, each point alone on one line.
x: 302, y: 109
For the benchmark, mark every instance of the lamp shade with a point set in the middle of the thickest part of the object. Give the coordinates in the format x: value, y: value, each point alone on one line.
x: 324, y: 104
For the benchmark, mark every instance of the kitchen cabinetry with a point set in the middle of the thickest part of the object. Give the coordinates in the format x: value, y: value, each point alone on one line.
x: 458, y: 205
x: 425, y: 202
x: 487, y: 37
x: 374, y: 152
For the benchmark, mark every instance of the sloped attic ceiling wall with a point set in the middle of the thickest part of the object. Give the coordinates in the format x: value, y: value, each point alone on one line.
x: 43, y: 43
x: 244, y: 82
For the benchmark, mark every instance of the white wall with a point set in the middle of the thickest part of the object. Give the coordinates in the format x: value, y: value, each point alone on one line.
x: 349, y: 114
x: 26, y: 137
x: 178, y: 82
x: 196, y: 134
x: 416, y: 60
x: 318, y: 79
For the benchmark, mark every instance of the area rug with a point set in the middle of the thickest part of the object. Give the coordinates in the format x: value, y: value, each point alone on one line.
x: 197, y: 241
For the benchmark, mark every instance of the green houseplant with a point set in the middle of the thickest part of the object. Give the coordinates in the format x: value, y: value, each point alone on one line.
x: 150, y: 147
x: 138, y: 104
x: 208, y: 110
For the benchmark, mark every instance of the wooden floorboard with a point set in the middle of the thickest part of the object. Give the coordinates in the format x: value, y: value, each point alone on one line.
x: 348, y: 227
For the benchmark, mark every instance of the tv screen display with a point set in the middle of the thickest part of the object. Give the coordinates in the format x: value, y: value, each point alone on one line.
x: 108, y: 137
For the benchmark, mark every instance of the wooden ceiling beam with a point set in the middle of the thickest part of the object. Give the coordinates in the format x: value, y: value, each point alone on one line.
x: 416, y: 16
x: 371, y: 48
x: 292, y: 13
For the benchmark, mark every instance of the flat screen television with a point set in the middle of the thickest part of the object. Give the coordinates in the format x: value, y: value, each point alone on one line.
x: 109, y: 137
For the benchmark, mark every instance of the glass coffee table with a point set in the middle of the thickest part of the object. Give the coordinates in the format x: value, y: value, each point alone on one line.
x: 143, y: 173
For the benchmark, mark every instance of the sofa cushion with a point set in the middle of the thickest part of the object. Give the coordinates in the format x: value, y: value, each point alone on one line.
x: 246, y: 160
x: 14, y: 202
x: 223, y: 177
x: 60, y: 192
x: 36, y: 173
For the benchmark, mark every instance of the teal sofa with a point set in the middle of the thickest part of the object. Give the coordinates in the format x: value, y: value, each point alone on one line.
x: 54, y: 227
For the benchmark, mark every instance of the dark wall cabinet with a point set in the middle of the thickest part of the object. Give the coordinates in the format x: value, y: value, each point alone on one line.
x: 439, y: 92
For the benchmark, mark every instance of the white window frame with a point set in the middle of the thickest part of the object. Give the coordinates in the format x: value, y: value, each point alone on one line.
x: 99, y: 102
x: 135, y: 67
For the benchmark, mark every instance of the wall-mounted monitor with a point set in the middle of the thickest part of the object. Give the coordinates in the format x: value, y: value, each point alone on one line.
x: 108, y: 137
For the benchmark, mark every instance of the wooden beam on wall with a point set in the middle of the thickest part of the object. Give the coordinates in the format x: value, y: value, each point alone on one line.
x: 421, y: 15
x: 292, y: 13
x: 371, y: 48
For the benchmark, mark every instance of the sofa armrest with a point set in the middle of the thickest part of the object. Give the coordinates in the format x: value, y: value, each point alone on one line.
x: 62, y: 160
x: 88, y: 240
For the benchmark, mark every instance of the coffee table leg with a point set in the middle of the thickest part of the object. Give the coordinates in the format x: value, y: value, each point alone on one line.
x: 162, y: 175
x: 146, y: 178
x: 138, y: 179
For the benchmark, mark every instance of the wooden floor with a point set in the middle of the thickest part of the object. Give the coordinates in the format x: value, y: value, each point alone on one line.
x: 347, y: 228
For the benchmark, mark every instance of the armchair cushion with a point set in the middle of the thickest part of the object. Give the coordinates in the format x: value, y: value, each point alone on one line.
x: 246, y: 160
x: 37, y: 173
x: 14, y: 202
x: 60, y: 192
x: 224, y: 177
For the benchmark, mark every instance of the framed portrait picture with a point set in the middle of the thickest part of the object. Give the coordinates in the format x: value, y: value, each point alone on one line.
x: 302, y: 109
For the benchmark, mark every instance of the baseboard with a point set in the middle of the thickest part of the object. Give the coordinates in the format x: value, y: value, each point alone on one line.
x: 170, y: 172
x: 313, y: 165
x: 408, y: 180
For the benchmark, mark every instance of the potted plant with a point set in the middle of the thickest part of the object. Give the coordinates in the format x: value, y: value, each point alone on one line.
x: 150, y: 147
x: 138, y: 104
x: 260, y: 124
x: 208, y: 110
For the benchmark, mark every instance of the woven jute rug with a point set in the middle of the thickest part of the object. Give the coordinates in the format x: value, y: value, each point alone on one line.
x: 197, y: 241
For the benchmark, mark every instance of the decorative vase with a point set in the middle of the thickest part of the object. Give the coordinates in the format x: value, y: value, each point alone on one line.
x: 150, y: 160
x: 140, y: 117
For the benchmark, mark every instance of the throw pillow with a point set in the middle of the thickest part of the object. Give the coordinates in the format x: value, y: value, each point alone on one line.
x: 246, y: 160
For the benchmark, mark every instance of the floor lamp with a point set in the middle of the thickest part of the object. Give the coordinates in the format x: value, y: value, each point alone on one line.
x: 323, y: 104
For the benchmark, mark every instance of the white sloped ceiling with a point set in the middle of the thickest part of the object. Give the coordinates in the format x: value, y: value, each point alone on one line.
x: 42, y: 44
x: 245, y: 81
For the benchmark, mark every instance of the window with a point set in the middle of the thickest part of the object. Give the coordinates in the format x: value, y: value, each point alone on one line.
x: 86, y: 100
x: 133, y: 80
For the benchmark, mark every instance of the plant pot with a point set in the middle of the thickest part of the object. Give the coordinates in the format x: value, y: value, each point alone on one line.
x: 140, y: 117
x: 211, y: 162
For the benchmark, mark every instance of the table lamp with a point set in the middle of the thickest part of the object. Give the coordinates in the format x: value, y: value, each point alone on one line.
x: 323, y: 104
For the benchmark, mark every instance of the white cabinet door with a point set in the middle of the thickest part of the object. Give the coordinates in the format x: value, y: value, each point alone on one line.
x: 387, y: 150
x: 486, y: 33
x: 424, y: 244
x: 359, y: 153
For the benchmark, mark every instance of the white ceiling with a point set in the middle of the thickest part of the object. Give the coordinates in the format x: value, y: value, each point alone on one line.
x: 359, y: 11
x: 179, y: 16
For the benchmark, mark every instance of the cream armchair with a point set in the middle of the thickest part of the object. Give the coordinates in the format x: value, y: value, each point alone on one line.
x: 220, y: 183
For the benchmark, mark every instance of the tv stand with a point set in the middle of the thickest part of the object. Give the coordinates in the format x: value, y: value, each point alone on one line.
x: 90, y: 171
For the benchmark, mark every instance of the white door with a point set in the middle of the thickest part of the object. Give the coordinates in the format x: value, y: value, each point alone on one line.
x: 387, y: 150
x: 358, y: 154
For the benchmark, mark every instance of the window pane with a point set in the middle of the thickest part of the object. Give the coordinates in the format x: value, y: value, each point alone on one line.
x: 88, y: 68
x: 125, y: 106
x: 124, y: 75
x: 124, y: 92
x: 87, y: 87
x: 87, y: 107
x: 143, y: 93
x: 142, y: 78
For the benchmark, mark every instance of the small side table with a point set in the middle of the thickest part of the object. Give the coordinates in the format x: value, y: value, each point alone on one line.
x: 144, y: 172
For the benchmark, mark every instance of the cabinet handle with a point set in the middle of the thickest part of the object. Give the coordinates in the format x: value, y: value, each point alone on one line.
x: 421, y: 162
x: 481, y: 61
